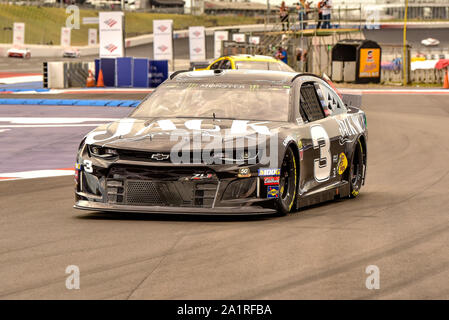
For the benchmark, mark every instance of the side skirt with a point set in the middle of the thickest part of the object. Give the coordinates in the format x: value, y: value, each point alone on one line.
x: 340, y: 190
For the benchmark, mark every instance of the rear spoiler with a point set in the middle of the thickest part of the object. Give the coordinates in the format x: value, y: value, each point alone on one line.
x: 352, y: 99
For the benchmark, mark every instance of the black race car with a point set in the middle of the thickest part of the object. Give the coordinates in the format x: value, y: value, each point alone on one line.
x: 226, y: 142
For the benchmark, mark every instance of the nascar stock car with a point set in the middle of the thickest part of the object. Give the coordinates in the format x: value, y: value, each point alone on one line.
x: 226, y: 142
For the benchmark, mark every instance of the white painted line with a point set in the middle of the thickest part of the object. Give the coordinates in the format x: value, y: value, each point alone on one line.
x: 43, y: 120
x: 395, y: 91
x: 21, y: 79
x: 51, y: 125
x: 36, y: 174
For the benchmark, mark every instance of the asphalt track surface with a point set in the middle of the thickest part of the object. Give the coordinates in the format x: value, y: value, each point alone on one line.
x: 399, y: 223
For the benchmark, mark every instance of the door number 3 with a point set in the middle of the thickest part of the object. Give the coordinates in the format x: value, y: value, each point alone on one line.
x: 322, y: 165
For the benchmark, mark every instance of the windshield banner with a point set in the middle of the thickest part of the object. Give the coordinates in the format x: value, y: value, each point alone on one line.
x: 111, y: 34
x: 163, y: 40
x: 219, y: 37
x: 197, y: 44
x: 19, y: 33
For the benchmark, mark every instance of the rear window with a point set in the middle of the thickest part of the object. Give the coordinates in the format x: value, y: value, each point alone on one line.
x: 280, y: 66
x: 251, y: 65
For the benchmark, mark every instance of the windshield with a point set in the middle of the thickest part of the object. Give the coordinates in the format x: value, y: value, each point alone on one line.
x: 219, y: 100
x: 263, y: 65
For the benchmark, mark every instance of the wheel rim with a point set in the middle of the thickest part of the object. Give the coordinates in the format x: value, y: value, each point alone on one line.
x: 287, y: 175
x: 356, y: 168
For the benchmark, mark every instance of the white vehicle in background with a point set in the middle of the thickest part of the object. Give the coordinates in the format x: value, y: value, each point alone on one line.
x: 430, y: 42
x: 71, y: 53
x: 17, y: 52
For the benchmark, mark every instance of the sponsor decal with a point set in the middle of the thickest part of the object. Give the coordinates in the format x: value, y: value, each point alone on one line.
x: 270, y: 181
x: 269, y: 172
x: 273, y: 192
x: 244, y: 173
x: 301, y: 154
x: 78, y: 166
x: 163, y: 48
x: 160, y: 156
x: 110, y: 22
x: 201, y: 176
x: 342, y: 163
x: 162, y: 28
x: 111, y: 47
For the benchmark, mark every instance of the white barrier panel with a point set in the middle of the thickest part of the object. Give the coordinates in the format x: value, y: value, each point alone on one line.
x: 197, y: 44
x: 111, y: 34
x: 238, y: 37
x: 254, y: 40
x: 219, y: 37
x: 18, y: 33
x: 65, y: 36
x: 92, y: 37
x: 163, y: 40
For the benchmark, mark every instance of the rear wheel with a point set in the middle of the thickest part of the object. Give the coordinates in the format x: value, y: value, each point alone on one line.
x: 356, y: 171
x: 287, y: 183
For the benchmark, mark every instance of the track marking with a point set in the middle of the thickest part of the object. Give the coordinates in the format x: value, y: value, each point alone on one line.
x: 36, y: 174
x: 395, y: 91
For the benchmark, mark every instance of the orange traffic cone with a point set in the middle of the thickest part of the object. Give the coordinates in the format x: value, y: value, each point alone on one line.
x: 90, y: 82
x: 100, y: 82
x: 446, y: 81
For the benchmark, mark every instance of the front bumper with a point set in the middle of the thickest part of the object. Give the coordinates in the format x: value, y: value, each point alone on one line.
x: 99, y: 206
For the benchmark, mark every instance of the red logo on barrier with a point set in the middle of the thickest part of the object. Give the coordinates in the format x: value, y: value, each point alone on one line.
x: 197, y: 50
x: 221, y: 37
x: 163, y: 48
x: 110, y: 22
x: 162, y: 28
x: 111, y: 47
x: 197, y: 33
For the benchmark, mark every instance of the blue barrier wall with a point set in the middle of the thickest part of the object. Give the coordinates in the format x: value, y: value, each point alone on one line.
x: 140, y: 73
x: 124, y: 72
x: 131, y: 72
x: 107, y: 65
x: 158, y: 72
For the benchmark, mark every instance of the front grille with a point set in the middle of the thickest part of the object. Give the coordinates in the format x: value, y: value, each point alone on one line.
x: 143, y: 192
x: 154, y: 187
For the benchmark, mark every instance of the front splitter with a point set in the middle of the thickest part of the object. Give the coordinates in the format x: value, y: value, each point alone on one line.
x: 98, y: 206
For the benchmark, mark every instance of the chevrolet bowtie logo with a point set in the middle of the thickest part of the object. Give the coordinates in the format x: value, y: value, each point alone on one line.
x: 160, y: 156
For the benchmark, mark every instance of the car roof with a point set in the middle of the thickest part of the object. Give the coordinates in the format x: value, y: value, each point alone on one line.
x: 249, y: 57
x: 242, y: 76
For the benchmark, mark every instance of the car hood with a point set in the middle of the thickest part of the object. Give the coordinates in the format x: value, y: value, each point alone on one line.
x: 162, y: 134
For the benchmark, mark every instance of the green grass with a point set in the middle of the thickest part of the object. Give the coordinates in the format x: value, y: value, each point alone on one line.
x: 43, y: 25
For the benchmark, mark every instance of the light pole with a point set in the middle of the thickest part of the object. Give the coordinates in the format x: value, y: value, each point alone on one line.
x: 404, y: 53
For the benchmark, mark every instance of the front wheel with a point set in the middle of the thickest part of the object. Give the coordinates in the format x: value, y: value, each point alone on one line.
x: 356, y: 171
x: 287, y: 183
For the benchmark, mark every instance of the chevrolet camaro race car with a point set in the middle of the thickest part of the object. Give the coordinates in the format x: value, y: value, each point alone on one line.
x: 226, y: 142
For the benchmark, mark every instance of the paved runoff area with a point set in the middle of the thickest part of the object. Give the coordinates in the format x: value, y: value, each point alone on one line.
x: 399, y: 224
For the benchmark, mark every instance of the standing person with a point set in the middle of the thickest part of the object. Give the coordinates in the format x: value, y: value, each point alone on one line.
x: 327, y: 8
x: 302, y: 7
x: 320, y: 13
x: 283, y: 15
x: 281, y: 54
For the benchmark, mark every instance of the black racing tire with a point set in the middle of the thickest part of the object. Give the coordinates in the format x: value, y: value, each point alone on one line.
x: 287, y: 183
x: 356, y: 170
